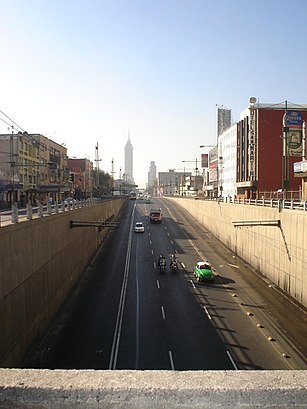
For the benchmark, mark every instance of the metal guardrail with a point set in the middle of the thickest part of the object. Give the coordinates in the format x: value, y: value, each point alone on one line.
x: 16, y: 215
x: 293, y: 204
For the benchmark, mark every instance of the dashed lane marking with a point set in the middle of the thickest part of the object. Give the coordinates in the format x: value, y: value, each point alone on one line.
x: 232, y: 360
x: 171, y: 360
x: 207, y: 312
x: 233, y: 265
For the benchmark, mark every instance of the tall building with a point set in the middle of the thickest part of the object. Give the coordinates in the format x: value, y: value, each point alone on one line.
x: 223, y: 120
x: 129, y: 161
x: 152, y: 175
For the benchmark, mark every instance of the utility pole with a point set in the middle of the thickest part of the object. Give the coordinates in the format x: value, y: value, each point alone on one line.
x: 285, y: 165
x: 12, y: 161
x: 196, y: 171
x: 97, y: 160
x: 112, y: 173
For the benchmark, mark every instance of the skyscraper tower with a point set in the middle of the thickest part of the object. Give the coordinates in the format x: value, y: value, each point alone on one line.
x: 129, y: 160
x: 152, y: 174
x: 223, y: 119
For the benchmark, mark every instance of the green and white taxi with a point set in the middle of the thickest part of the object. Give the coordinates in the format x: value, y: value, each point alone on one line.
x: 203, y: 271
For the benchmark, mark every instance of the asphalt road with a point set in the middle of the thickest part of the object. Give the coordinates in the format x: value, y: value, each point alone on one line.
x: 129, y: 315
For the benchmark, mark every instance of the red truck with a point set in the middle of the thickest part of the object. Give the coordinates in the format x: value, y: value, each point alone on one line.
x: 155, y: 215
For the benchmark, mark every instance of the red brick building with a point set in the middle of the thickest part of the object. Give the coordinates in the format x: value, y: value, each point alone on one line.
x: 81, y: 171
x: 265, y: 167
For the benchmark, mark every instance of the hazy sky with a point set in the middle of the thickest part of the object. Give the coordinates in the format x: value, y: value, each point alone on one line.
x: 82, y: 72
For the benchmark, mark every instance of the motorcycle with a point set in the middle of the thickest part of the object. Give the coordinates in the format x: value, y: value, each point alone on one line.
x: 173, y: 264
x: 162, y: 265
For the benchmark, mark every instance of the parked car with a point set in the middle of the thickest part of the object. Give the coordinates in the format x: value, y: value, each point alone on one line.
x: 139, y: 227
x: 203, y: 271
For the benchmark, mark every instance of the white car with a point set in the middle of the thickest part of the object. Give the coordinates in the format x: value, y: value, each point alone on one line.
x: 139, y: 227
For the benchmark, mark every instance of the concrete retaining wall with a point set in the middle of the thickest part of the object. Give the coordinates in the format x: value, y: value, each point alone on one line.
x: 279, y: 253
x: 40, y: 261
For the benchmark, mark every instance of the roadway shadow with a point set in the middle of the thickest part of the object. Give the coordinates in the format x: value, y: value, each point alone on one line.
x: 221, y: 280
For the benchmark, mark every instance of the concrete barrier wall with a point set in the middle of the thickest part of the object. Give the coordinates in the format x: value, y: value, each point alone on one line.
x: 40, y: 261
x: 279, y: 253
x: 90, y: 389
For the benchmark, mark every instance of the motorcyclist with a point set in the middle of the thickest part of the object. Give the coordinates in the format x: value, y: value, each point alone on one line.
x: 161, y: 261
x: 173, y: 261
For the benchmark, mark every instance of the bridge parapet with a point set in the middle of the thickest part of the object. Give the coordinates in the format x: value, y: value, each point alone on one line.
x: 28, y: 388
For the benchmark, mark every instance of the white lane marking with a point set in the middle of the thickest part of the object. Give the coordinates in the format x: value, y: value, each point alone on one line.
x: 201, y: 255
x: 233, y: 265
x: 207, y: 312
x: 172, y: 242
x: 197, y: 250
x: 171, y: 214
x: 183, y: 265
x: 171, y: 360
x: 192, y: 282
x: 163, y: 312
x: 152, y: 251
x: 176, y: 251
x: 150, y: 242
x: 137, y: 326
x: 121, y: 305
x: 232, y: 360
x: 158, y: 284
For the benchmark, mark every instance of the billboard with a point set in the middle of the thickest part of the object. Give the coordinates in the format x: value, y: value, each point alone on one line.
x: 293, y: 123
x: 300, y: 167
x: 213, y: 172
x: 204, y: 160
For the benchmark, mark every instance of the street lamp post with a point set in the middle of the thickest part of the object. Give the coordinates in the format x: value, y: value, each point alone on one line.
x: 182, y: 178
x: 192, y: 161
x: 12, y: 166
x: 196, y: 169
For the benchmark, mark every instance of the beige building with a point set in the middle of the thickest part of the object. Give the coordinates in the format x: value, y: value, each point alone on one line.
x: 32, y: 168
x: 300, y: 171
